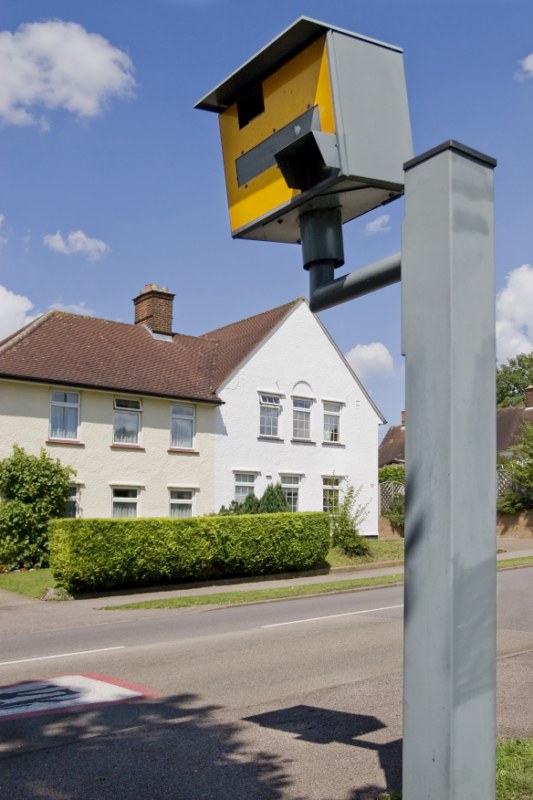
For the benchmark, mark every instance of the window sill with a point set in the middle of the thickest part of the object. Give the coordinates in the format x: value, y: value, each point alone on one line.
x: 269, y: 439
x: 67, y: 442
x: 183, y: 451
x: 136, y: 447
x: 333, y: 444
x: 303, y: 441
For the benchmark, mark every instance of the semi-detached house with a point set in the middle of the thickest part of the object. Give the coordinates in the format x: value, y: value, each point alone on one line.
x: 157, y: 423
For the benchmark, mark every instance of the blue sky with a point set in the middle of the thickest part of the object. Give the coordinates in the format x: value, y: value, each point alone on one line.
x: 110, y: 179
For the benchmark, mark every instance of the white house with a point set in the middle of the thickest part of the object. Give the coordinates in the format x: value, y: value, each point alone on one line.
x: 157, y: 423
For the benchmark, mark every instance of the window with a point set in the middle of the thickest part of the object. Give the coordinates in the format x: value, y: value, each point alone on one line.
x: 244, y: 485
x: 270, y: 408
x: 301, y: 418
x: 330, y: 493
x: 64, y: 415
x: 71, y: 507
x: 332, y: 413
x: 182, y: 427
x: 126, y: 421
x: 125, y: 502
x: 181, y: 502
x: 290, y: 484
x: 250, y: 106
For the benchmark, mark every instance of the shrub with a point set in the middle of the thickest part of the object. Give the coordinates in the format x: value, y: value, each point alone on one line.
x: 250, y: 504
x: 396, y: 513
x: 346, y: 520
x: 394, y: 473
x: 103, y: 554
x: 512, y: 502
x: 273, y: 500
x: 34, y: 490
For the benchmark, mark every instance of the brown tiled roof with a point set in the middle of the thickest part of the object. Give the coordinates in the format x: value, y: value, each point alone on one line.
x: 76, y: 350
x: 392, y: 448
x: 509, y: 422
x: 238, y: 340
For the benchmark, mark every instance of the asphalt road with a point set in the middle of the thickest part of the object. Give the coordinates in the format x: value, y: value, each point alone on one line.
x: 296, y: 699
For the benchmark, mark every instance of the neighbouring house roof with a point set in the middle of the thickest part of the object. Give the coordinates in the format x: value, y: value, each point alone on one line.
x: 509, y: 422
x: 76, y: 350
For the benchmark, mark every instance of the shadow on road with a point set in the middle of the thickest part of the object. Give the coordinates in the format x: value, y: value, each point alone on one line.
x: 324, y: 726
x: 144, y: 750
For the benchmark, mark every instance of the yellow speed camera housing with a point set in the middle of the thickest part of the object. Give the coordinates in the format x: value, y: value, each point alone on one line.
x: 318, y: 117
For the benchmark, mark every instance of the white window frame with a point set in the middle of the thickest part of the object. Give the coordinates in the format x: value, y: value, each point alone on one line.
x: 301, y: 411
x: 269, y: 414
x: 129, y: 408
x: 332, y: 417
x: 56, y: 403
x: 331, y: 487
x: 242, y: 487
x: 125, y: 499
x: 185, y: 501
x: 290, y: 483
x: 73, y: 501
x: 181, y: 412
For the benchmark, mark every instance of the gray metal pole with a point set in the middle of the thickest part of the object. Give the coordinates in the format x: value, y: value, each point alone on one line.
x: 450, y: 568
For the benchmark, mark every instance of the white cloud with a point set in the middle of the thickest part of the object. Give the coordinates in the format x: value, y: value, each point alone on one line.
x: 76, y: 242
x: 55, y: 65
x: 526, y: 68
x: 14, y: 311
x: 378, y: 225
x: 3, y: 239
x: 370, y: 360
x: 514, y: 314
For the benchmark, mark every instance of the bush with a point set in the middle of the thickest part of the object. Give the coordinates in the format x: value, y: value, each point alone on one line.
x: 101, y: 554
x: 345, y: 523
x: 396, y: 513
x: 392, y: 473
x: 512, y: 502
x: 34, y: 490
x: 273, y: 500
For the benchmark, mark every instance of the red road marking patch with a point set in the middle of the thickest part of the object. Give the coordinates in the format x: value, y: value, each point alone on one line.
x: 66, y: 693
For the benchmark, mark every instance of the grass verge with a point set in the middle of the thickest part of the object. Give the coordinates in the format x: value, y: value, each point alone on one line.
x: 31, y: 584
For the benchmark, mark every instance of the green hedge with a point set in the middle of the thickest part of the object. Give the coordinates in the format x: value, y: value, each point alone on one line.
x: 91, y: 555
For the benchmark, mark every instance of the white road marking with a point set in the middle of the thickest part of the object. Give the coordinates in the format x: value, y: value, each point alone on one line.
x: 330, y: 616
x: 62, y: 655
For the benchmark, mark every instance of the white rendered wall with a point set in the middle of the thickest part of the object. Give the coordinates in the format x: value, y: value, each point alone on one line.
x: 24, y: 420
x: 298, y: 358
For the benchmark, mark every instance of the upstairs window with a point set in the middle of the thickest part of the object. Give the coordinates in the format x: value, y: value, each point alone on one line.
x: 182, y: 427
x: 181, y: 502
x: 270, y: 409
x: 301, y: 418
x: 126, y: 421
x: 332, y: 419
x: 64, y: 415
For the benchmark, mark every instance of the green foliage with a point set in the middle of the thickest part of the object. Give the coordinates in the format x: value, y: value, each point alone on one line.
x: 512, y: 379
x: 234, y: 508
x: 250, y: 504
x: 392, y: 473
x: 396, y: 513
x: 520, y: 467
x: 34, y: 490
x: 273, y: 500
x: 103, y: 554
x: 346, y: 520
x: 511, y: 502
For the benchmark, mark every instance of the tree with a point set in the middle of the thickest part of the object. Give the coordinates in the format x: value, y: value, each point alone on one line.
x: 512, y: 379
x: 392, y: 473
x: 34, y: 489
x: 273, y: 500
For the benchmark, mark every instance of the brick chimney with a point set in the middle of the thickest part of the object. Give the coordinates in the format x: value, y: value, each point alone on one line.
x: 153, y: 308
x: 528, y: 397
